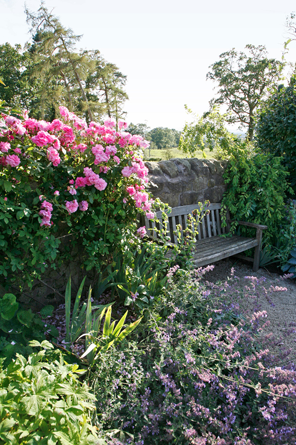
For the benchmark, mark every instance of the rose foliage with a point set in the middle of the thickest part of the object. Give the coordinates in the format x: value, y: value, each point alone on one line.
x: 66, y: 186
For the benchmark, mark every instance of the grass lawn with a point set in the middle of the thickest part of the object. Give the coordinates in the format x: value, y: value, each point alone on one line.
x: 171, y: 153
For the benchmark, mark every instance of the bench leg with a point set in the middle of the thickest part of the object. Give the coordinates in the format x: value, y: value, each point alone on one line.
x: 256, y: 262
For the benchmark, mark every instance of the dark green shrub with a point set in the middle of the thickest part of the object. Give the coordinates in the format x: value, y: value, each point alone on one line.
x: 18, y: 326
x: 276, y: 128
x: 256, y: 190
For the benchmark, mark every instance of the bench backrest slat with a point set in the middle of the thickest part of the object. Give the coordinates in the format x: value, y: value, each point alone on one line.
x: 214, y: 229
x: 210, y: 224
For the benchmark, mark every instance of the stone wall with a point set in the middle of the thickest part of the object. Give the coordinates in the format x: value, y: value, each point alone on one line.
x: 187, y: 181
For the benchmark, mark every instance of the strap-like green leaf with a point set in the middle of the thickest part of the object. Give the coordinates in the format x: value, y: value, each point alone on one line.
x: 119, y: 325
x: 107, y: 322
x: 68, y: 308
x: 77, y: 299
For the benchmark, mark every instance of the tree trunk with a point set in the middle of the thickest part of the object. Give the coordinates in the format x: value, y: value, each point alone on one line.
x: 107, y: 98
x: 68, y: 91
x: 78, y: 80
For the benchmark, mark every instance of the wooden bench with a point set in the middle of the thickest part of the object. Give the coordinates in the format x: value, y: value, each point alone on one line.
x: 210, y: 245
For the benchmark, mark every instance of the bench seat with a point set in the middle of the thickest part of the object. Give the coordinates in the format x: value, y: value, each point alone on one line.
x: 211, y: 245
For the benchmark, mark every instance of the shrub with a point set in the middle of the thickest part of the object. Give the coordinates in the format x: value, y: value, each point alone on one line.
x: 66, y: 185
x: 42, y: 401
x: 18, y: 326
x: 256, y: 190
x: 276, y: 128
x: 196, y: 374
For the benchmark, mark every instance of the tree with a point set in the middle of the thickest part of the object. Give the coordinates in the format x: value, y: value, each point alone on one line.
x: 208, y: 131
x: 17, y: 88
x: 163, y: 137
x: 276, y: 127
x: 82, y: 80
x: 141, y: 129
x: 104, y: 86
x: 53, y: 51
x: 244, y: 81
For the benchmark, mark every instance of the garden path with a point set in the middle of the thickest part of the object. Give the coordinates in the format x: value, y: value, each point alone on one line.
x: 280, y: 305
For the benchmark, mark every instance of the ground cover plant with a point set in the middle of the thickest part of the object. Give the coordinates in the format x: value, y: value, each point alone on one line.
x: 197, y: 372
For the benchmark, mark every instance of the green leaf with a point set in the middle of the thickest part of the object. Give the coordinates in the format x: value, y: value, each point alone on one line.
x: 107, y: 321
x: 8, y: 306
x: 7, y: 186
x: 52, y: 330
x: 25, y: 317
x: 68, y: 308
x: 64, y: 438
x: 47, y: 311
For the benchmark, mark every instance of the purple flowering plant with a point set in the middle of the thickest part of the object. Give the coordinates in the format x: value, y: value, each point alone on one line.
x: 198, y: 372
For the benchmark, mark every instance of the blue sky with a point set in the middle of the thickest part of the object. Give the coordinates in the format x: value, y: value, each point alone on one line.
x: 164, y: 47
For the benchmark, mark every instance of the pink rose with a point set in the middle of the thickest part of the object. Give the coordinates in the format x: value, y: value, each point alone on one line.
x: 43, y: 138
x: 43, y: 125
x: 109, y: 123
x: 150, y: 215
x: 72, y: 206
x: 127, y: 171
x: 122, y: 124
x: 64, y: 112
x: 53, y: 156
x: 116, y: 159
x: 100, y: 184
x: 13, y: 160
x: 131, y: 190
x: 111, y: 150
x: 80, y: 182
x: 4, y: 147
x: 83, y: 206
x: 31, y: 125
x: 142, y: 231
x: 72, y: 191
x: 17, y: 150
x: 56, y: 125
x: 81, y: 147
x: 46, y: 205
x: 67, y: 136
x: 56, y: 193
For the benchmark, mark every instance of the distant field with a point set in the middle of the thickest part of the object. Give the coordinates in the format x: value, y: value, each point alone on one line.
x: 170, y: 153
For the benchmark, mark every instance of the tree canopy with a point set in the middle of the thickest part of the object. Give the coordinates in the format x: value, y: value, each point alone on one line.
x: 244, y: 80
x: 51, y: 71
x: 276, y: 128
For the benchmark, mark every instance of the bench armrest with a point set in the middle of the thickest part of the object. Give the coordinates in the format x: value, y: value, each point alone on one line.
x: 256, y: 226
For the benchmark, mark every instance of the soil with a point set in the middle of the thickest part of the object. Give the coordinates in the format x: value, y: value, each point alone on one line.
x: 280, y: 305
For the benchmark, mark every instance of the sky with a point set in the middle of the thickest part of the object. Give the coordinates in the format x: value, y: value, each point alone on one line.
x: 164, y: 47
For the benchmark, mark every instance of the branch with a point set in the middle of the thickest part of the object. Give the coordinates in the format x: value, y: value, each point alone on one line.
x: 52, y: 288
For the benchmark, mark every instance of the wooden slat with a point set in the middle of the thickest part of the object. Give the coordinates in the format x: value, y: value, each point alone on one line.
x: 218, y: 243
x: 217, y: 256
x: 199, y: 232
x: 181, y: 210
x: 209, y: 225
x: 218, y: 222
x: 174, y: 229
x: 212, y: 250
x: 203, y: 225
x: 213, y: 222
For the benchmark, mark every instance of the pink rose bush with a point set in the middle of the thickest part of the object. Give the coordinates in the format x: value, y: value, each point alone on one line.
x: 91, y: 176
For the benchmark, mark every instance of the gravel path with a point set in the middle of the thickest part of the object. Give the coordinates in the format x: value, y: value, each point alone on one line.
x: 280, y: 305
